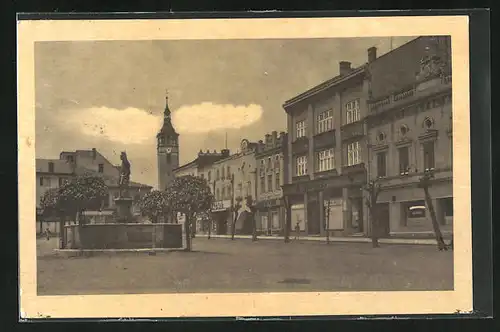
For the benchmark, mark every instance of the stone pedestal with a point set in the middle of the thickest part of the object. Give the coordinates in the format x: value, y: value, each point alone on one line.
x: 124, y: 207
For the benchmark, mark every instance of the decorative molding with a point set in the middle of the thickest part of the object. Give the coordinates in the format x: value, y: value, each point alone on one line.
x: 380, y: 147
x: 429, y: 135
x: 403, y: 142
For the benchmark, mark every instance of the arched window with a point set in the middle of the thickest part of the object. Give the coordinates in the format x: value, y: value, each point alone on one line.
x: 404, y: 130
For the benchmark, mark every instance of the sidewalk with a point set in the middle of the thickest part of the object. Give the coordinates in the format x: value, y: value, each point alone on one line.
x: 332, y: 239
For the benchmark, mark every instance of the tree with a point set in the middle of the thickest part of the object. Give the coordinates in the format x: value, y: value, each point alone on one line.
x: 82, y: 193
x: 51, y: 205
x: 424, y: 183
x: 288, y: 219
x: 373, y: 189
x: 155, y: 205
x: 189, y: 195
x: 236, y: 208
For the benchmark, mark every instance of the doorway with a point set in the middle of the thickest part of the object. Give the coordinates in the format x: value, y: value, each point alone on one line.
x: 383, y: 219
x: 313, y: 222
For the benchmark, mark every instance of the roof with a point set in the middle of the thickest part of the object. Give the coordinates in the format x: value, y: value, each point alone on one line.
x: 202, y: 160
x: 398, y: 68
x: 60, y: 166
x: 325, y: 85
x: 110, y: 181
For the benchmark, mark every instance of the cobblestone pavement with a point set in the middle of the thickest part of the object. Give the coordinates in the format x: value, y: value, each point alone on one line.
x: 222, y: 265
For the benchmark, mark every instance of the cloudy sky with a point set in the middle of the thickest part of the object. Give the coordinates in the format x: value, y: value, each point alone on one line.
x: 110, y: 95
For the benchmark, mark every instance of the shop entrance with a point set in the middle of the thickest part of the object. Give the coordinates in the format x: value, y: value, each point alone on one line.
x: 313, y: 216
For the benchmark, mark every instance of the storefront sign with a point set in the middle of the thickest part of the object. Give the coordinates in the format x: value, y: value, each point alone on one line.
x: 221, y: 205
x: 269, y: 203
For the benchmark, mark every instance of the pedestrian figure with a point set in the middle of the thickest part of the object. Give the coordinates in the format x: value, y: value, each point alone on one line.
x: 47, y: 234
x: 297, y: 231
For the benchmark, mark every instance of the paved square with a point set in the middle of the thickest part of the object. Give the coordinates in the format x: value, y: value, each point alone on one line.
x: 222, y: 265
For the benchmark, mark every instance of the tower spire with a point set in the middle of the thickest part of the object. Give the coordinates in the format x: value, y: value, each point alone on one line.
x: 166, y: 112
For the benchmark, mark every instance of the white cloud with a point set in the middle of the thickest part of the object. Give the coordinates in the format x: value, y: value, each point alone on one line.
x: 127, y: 126
x: 205, y: 117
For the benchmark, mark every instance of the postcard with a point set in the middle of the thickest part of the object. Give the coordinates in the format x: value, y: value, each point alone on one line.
x: 244, y: 167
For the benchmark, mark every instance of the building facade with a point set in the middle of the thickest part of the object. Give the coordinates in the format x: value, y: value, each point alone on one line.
x: 233, y: 179
x: 53, y: 173
x: 410, y: 133
x: 167, y: 149
x: 271, y: 160
x: 327, y: 152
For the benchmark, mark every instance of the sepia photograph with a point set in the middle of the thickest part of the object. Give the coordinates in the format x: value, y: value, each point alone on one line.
x: 232, y: 166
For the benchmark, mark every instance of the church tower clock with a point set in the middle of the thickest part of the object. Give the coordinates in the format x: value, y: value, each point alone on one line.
x: 167, y: 141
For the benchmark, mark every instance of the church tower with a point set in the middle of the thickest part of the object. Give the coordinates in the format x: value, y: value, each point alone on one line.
x: 167, y: 141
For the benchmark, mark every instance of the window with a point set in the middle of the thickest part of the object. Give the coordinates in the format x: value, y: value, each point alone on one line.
x: 262, y: 184
x: 223, y: 195
x: 428, y: 156
x: 404, y: 160
x: 229, y: 191
x: 352, y: 111
x: 300, y: 129
x: 353, y: 154
x: 326, y: 160
x: 269, y: 163
x: 447, y: 204
x: 223, y: 177
x: 228, y: 172
x: 301, y: 166
x: 217, y: 176
x: 325, y: 122
x: 416, y: 209
x: 70, y: 159
x: 217, y: 194
x: 41, y: 181
x: 270, y: 182
x: 381, y: 164
x: 61, y: 181
x: 209, y: 176
x: 51, y: 167
x: 277, y: 181
x: 101, y: 168
x: 277, y: 164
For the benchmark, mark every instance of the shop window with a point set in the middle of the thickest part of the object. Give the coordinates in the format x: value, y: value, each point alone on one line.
x: 404, y: 160
x: 447, y: 204
x: 416, y: 209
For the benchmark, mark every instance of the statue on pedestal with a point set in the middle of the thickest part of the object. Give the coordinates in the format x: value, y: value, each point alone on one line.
x: 124, y: 175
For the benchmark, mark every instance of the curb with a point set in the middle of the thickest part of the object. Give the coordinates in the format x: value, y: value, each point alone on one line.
x: 332, y: 239
x: 94, y: 252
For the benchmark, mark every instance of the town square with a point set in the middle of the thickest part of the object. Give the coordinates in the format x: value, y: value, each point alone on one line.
x: 336, y: 175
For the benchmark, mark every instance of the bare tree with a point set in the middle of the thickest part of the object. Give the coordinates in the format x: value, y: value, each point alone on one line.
x: 424, y: 183
x: 373, y: 189
x: 327, y: 221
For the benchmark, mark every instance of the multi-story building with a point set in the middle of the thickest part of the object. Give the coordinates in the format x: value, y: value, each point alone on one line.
x: 327, y: 154
x: 410, y: 132
x: 167, y: 148
x: 233, y: 179
x: 53, y: 173
x: 271, y: 160
x: 202, y: 166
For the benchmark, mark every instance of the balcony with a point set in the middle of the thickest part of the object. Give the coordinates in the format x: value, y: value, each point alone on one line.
x: 352, y: 169
x: 300, y: 178
x: 325, y: 140
x: 410, y: 94
x: 300, y: 145
x: 352, y: 130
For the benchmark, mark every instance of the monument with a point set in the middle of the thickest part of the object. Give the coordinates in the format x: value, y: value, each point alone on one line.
x: 124, y: 201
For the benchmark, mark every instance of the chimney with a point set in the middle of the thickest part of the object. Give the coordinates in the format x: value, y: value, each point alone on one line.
x: 94, y: 153
x: 274, y: 136
x: 372, y: 54
x: 225, y: 152
x: 344, y: 67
